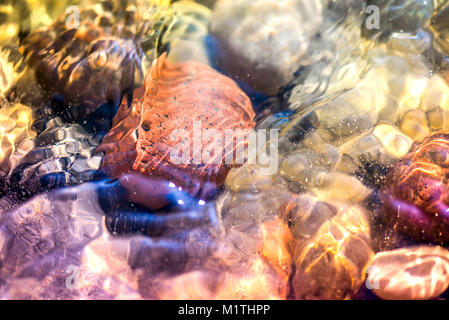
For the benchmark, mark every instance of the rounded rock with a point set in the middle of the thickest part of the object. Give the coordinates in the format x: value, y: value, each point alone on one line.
x: 416, y: 195
x: 154, y: 136
x: 414, y: 273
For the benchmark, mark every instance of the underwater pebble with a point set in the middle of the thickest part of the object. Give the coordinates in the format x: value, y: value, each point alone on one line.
x: 413, y: 273
x: 91, y: 64
x: 331, y: 263
x: 58, y: 156
x: 415, y: 197
x: 251, y: 33
x: 146, y: 132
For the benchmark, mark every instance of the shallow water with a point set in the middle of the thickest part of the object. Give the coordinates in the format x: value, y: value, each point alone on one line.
x: 229, y: 149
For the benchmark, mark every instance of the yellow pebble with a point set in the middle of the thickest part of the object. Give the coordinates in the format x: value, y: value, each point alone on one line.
x: 414, y: 124
x: 396, y: 143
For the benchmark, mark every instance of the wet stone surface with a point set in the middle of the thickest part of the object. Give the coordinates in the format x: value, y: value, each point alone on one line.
x: 105, y: 187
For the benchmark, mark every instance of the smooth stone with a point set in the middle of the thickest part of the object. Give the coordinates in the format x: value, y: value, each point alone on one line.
x: 331, y: 264
x: 249, y: 177
x: 414, y: 273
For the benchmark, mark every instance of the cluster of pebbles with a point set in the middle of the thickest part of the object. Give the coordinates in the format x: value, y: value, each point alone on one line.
x: 356, y: 198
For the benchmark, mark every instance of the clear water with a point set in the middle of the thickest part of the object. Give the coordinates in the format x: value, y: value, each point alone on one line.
x: 342, y: 194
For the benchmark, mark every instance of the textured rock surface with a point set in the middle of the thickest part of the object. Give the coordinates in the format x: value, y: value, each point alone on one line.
x: 186, y: 26
x: 176, y: 97
x: 19, y: 17
x: 91, y: 62
x: 415, y: 199
x: 41, y: 238
x: 331, y: 262
x: 170, y: 221
x: 61, y: 155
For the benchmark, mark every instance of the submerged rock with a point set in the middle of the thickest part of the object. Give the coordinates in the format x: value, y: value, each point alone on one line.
x: 262, y: 42
x: 404, y: 16
x: 440, y: 29
x: 158, y: 133
x: 416, y: 195
x: 183, y: 32
x: 413, y: 273
x: 16, y: 135
x: 93, y: 61
x: 331, y: 258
